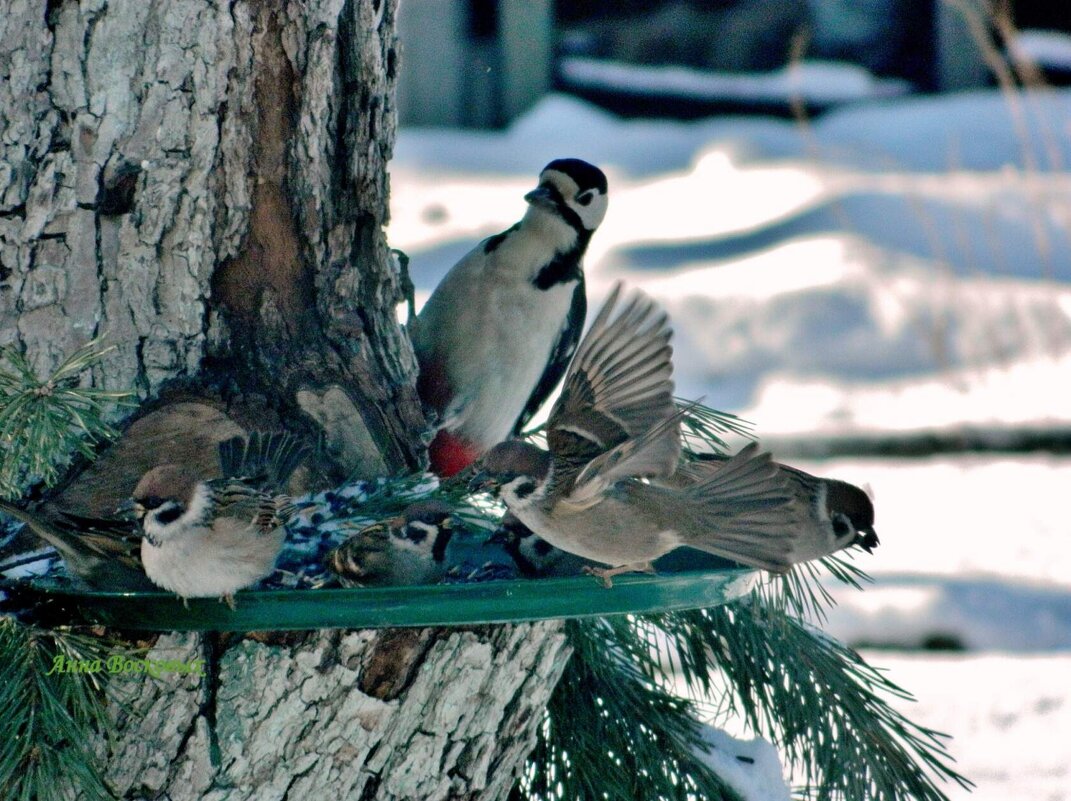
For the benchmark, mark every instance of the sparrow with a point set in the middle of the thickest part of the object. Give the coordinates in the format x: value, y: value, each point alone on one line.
x: 212, y: 538
x: 834, y: 513
x: 533, y: 556
x: 613, y: 435
x: 497, y: 334
x: 407, y: 549
x: 104, y: 553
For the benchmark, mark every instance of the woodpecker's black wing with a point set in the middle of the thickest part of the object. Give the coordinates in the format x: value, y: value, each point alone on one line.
x: 560, y: 356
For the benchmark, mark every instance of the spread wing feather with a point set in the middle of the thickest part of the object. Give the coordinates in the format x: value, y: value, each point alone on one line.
x: 748, y: 510
x: 619, y: 387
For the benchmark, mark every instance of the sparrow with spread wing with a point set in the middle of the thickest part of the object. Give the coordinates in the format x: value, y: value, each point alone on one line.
x: 212, y: 538
x: 605, y: 490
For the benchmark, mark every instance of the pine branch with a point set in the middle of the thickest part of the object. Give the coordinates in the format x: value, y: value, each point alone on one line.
x: 50, y: 719
x: 817, y: 699
x: 43, y: 424
x: 702, y: 428
x: 613, y: 733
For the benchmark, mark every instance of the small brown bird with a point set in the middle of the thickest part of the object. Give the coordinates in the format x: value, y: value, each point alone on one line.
x: 614, y: 440
x: 213, y: 538
x: 105, y: 554
x: 533, y: 555
x: 835, y: 513
x: 407, y: 549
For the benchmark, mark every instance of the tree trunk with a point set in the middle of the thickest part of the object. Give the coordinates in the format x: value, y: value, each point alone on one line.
x: 422, y: 714
x: 205, y: 184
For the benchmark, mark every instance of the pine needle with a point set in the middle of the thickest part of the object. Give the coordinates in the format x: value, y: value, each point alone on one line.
x: 45, y: 423
x: 50, y: 720
x: 613, y: 733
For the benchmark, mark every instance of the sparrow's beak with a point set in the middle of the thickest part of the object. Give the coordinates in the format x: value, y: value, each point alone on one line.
x: 870, y: 541
x: 482, y: 482
x: 541, y: 196
x: 498, y: 537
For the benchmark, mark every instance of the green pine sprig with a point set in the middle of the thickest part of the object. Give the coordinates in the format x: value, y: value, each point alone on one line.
x: 51, y: 720
x: 613, y: 732
x: 44, y: 423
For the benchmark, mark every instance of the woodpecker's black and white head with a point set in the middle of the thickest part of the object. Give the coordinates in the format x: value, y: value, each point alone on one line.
x: 168, y: 501
x: 408, y: 549
x: 572, y: 193
x: 517, y: 472
x: 851, y: 514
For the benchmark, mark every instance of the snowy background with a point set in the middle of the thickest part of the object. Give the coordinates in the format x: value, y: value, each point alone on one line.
x: 898, y: 268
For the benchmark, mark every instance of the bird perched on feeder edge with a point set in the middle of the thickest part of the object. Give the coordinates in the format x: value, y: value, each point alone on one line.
x: 213, y: 538
x: 407, y: 549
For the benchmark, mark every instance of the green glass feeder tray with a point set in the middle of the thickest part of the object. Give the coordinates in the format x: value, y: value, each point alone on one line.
x: 507, y: 601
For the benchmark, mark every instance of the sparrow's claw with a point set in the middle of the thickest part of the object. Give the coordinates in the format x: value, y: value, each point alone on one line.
x: 607, y: 573
x: 228, y: 598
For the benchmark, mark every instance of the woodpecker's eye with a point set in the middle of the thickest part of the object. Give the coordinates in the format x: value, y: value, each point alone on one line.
x: 585, y: 199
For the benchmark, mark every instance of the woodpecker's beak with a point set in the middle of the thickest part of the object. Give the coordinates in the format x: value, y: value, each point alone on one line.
x: 541, y: 196
x: 482, y: 482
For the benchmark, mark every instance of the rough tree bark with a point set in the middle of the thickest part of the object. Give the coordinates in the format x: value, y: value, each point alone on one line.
x: 204, y: 182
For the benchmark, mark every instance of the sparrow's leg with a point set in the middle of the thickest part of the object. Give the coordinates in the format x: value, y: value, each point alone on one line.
x: 607, y: 573
x: 228, y: 598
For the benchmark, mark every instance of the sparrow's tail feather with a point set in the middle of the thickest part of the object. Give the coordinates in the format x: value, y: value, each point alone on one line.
x: 269, y: 456
x: 747, y: 511
x: 104, y: 553
x: 38, y: 527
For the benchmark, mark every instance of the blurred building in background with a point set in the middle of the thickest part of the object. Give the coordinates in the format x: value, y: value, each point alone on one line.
x: 481, y: 63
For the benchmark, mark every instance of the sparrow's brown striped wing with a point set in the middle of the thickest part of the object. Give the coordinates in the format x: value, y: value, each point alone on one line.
x: 238, y: 499
x: 618, y: 388
x: 107, y: 537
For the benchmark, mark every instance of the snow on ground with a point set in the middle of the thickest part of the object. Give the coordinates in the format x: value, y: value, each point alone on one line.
x: 1011, y: 719
x: 1045, y: 48
x: 814, y: 81
x: 973, y: 548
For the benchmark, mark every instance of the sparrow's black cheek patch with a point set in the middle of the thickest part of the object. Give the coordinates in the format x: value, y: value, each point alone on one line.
x: 414, y: 534
x: 169, y: 515
x: 524, y: 489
